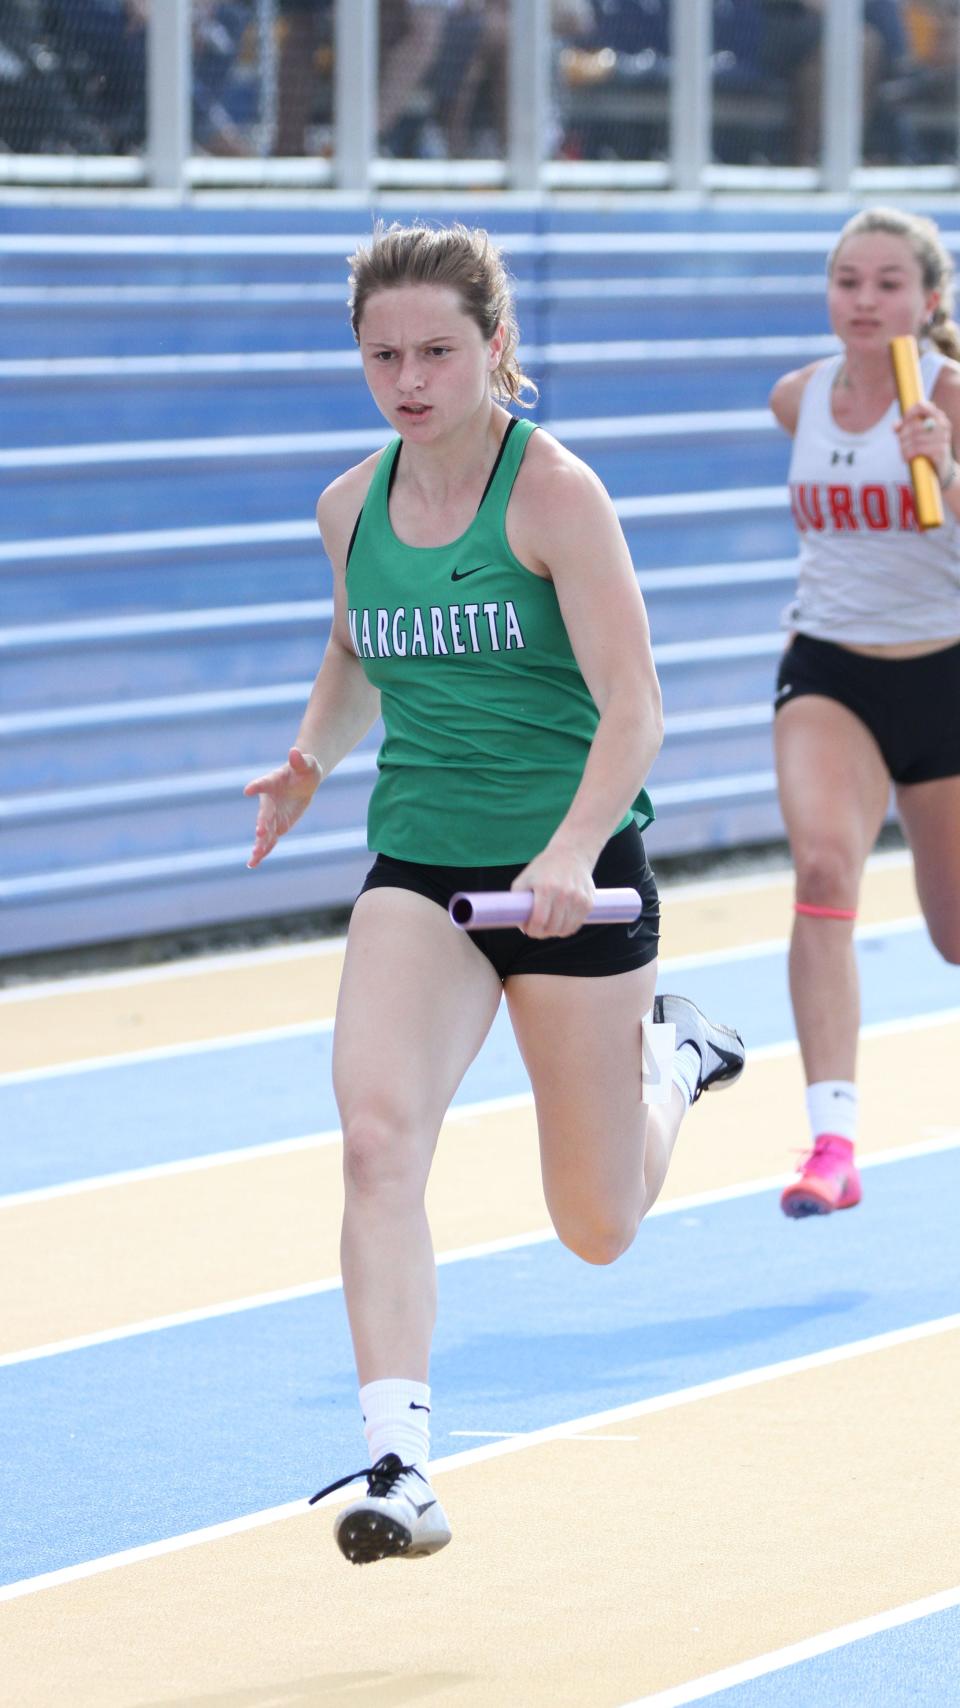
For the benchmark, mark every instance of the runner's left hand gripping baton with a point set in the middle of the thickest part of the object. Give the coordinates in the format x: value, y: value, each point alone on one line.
x: 906, y: 372
x: 489, y: 910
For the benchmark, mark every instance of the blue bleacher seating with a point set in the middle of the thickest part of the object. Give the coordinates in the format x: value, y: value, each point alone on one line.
x: 177, y: 384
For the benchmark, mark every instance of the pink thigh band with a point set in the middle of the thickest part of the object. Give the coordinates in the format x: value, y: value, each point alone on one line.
x: 812, y: 912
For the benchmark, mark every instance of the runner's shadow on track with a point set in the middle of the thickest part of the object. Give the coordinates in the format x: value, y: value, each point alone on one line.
x: 657, y: 1354
x: 365, y: 1689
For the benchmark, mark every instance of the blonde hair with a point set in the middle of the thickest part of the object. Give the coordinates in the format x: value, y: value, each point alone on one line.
x: 466, y: 261
x: 931, y: 255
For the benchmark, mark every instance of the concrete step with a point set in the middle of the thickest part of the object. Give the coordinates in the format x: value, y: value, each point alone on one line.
x: 59, y: 829
x: 114, y: 659
x: 160, y: 571
x: 150, y: 818
x: 290, y: 215
x: 71, y: 740
x: 321, y: 257
x: 92, y: 660
x: 143, y: 739
x: 137, y: 897
x: 119, y: 487
x: 266, y: 392
x: 57, y: 321
x: 180, y: 569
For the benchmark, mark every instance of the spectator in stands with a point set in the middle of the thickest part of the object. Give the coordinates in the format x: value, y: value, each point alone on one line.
x: 471, y: 73
x: 219, y: 28
x: 104, y: 47
x: 411, y: 37
x: 790, y: 46
x: 305, y: 61
x: 868, y: 692
x: 932, y: 27
x: 522, y: 714
x: 411, y: 32
x: 626, y: 46
x: 443, y: 72
x: 929, y: 87
x: 43, y: 90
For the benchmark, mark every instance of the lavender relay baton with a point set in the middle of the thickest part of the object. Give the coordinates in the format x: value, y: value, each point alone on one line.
x: 488, y: 910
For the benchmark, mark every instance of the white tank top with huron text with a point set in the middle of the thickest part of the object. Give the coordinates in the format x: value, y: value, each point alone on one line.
x: 867, y: 575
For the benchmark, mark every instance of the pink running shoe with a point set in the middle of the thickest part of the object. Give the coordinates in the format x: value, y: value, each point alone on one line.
x: 827, y: 1180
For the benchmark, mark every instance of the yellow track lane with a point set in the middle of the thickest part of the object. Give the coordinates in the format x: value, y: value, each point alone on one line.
x: 92, y: 1261
x: 116, y: 1017
x: 583, y: 1572
x: 192, y: 1004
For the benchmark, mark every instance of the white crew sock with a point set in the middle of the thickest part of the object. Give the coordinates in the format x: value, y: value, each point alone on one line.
x: 396, y: 1419
x: 832, y: 1107
x: 686, y: 1071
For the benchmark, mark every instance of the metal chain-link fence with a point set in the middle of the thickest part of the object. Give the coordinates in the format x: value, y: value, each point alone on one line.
x: 766, y: 74
x: 72, y: 76
x: 447, y: 84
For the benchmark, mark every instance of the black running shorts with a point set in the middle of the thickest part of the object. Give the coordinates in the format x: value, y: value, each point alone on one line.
x: 595, y: 951
x: 911, y: 706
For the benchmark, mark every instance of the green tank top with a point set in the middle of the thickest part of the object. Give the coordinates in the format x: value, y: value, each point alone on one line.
x: 487, y: 718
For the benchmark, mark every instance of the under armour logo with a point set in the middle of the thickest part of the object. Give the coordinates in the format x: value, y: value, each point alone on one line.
x: 842, y: 457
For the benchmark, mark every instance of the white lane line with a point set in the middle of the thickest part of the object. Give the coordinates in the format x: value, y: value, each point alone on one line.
x: 498, y: 1449
x: 942, y: 1139
x: 240, y: 1154
x: 224, y: 960
x: 945, y: 1139
x: 517, y: 1100
x: 151, y: 1550
x: 299, y: 1029
x: 159, y: 1170
x: 176, y: 1319
x: 164, y: 1052
x: 220, y: 960
x: 703, y: 889
x: 602, y: 1439
x: 949, y: 1140
x: 779, y: 946
x: 514, y: 1434
x: 488, y: 1434
x: 254, y: 1302
x: 808, y: 1649
x: 872, y: 1029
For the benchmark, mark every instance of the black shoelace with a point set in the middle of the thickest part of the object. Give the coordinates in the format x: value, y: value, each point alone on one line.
x: 381, y: 1478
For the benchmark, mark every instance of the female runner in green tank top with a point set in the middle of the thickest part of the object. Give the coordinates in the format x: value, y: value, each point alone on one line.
x: 486, y: 606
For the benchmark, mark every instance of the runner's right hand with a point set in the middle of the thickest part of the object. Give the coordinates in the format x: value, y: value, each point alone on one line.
x: 284, y: 795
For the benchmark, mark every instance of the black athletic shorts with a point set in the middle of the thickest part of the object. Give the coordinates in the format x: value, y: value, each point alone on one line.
x: 593, y: 952
x: 911, y: 706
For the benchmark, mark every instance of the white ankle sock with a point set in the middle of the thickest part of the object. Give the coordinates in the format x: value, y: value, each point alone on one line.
x: 396, y: 1419
x: 832, y: 1107
x: 686, y: 1071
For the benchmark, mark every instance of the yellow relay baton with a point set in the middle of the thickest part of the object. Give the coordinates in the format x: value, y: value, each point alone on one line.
x: 906, y: 372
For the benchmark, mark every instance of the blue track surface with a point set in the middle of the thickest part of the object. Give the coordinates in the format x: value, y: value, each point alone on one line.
x: 131, y: 1115
x: 912, y: 1666
x: 142, y: 1438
